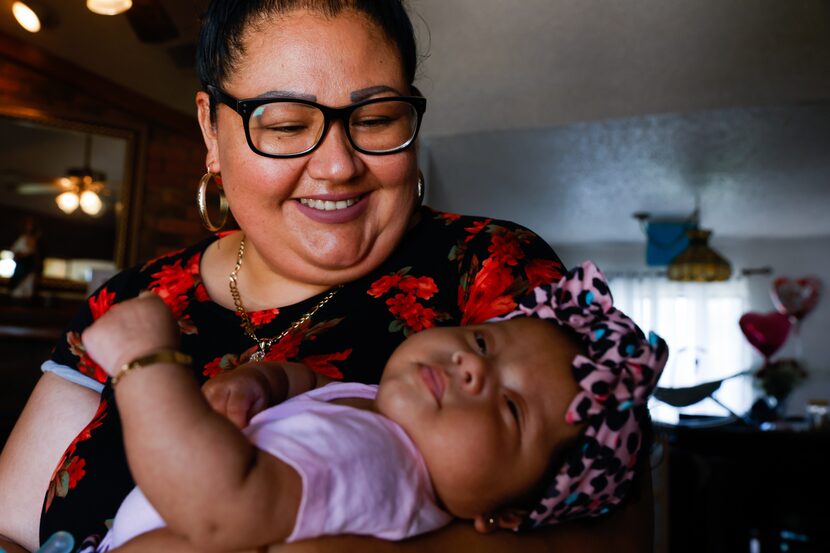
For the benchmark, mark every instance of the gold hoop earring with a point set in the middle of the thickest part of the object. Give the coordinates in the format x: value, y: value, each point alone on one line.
x: 421, y: 189
x: 201, y: 202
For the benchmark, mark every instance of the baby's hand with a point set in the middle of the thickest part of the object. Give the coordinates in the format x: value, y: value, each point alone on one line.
x: 130, y: 330
x: 239, y: 394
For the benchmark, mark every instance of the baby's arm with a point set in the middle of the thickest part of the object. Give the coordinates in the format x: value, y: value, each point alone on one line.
x: 208, y: 482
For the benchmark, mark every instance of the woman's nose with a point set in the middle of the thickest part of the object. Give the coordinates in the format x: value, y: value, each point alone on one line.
x: 335, y: 160
x: 471, y: 370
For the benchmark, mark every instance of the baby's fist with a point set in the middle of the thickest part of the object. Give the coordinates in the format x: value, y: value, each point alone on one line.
x: 130, y: 330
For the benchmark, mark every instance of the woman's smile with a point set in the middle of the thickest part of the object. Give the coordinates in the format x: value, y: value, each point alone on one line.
x: 332, y: 210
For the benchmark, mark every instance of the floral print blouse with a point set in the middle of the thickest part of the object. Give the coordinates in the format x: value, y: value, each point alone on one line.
x: 448, y: 270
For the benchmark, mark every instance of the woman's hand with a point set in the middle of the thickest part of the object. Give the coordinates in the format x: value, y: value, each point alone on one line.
x: 130, y: 330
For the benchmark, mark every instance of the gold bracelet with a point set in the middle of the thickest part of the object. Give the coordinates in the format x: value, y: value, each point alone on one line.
x: 163, y: 356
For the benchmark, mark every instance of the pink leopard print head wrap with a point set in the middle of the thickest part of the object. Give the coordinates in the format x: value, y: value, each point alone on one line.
x: 616, y: 378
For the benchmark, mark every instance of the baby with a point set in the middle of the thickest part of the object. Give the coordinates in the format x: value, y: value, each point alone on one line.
x: 528, y: 420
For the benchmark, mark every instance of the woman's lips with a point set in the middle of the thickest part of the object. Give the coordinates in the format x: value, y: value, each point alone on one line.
x: 333, y: 209
x: 434, y: 381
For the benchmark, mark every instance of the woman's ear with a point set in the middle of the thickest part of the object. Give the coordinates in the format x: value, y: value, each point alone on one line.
x: 208, y: 127
x: 508, y: 519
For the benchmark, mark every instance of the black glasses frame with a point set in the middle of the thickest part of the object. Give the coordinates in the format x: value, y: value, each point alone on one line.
x: 246, y: 107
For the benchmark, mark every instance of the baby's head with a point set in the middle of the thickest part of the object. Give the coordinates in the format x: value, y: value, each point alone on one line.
x: 532, y: 419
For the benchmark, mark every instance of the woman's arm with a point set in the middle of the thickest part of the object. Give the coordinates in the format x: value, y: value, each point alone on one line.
x: 628, y: 530
x: 207, y: 481
x: 55, y: 413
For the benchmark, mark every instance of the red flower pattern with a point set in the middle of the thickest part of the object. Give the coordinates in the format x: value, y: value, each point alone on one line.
x: 504, y: 248
x: 70, y: 469
x: 100, y: 304
x: 227, y: 362
x: 200, y: 293
x: 542, y: 271
x: 172, y: 282
x: 385, y: 283
x: 76, y: 471
x: 174, y: 279
x: 322, y: 364
x: 263, y: 317
x: 415, y: 316
x: 160, y: 257
x: 421, y: 287
x: 449, y: 217
x: 475, y: 228
x: 490, y: 293
x: 411, y: 315
x: 86, y: 365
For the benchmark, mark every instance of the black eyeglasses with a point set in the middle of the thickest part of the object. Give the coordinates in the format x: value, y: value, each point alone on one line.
x: 292, y: 127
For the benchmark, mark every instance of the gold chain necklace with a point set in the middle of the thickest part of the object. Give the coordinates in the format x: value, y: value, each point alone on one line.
x: 264, y: 344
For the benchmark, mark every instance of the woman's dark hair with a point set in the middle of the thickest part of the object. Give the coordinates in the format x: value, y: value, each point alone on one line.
x: 225, y: 22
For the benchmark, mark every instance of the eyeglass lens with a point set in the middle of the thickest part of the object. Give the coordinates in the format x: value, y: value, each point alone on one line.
x: 284, y: 128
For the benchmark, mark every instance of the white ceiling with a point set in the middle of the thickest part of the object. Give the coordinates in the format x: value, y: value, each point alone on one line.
x: 507, y: 80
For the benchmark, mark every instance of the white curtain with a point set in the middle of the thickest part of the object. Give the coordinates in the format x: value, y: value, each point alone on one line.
x: 699, y: 321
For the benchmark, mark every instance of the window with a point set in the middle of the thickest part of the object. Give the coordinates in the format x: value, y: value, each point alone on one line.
x: 699, y: 321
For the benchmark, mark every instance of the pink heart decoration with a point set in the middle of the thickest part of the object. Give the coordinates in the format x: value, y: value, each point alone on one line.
x: 767, y: 332
x: 796, y: 297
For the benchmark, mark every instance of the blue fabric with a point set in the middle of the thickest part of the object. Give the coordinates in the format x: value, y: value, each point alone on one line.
x: 665, y: 242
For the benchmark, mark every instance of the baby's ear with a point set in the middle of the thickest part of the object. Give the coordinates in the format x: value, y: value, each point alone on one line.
x: 508, y: 519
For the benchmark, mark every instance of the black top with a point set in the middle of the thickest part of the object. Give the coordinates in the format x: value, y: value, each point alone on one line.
x: 448, y: 270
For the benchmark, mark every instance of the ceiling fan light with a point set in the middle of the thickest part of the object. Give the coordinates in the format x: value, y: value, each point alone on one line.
x: 108, y: 7
x: 68, y: 202
x: 91, y: 203
x: 26, y: 16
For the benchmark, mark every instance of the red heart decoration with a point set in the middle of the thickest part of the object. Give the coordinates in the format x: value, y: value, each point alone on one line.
x: 796, y: 298
x: 766, y: 332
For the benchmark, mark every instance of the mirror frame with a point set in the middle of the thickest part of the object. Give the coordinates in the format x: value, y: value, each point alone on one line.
x: 126, y: 241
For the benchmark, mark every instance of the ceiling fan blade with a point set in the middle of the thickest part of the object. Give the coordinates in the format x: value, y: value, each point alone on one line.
x: 151, y: 22
x: 37, y: 188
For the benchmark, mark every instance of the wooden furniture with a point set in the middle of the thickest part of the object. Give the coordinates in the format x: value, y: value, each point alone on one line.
x: 735, y: 488
x: 27, y: 335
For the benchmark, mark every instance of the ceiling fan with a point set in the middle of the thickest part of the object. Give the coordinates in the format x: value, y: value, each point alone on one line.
x: 151, y: 22
x: 79, y: 187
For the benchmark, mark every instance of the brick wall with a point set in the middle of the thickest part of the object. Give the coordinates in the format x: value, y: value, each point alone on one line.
x: 168, y: 153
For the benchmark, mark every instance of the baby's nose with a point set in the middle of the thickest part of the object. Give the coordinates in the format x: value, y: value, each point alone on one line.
x: 472, y: 371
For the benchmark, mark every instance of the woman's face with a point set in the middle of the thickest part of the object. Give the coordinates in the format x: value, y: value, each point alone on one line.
x: 279, y: 203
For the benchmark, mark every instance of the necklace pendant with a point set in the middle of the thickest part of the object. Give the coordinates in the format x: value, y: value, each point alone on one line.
x: 258, y: 355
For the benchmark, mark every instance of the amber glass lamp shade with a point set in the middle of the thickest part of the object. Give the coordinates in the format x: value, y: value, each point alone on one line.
x: 699, y: 262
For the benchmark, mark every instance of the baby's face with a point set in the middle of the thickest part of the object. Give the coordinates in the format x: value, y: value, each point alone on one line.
x: 485, y: 405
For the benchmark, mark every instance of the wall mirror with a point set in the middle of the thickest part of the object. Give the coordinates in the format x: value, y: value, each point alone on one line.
x: 70, y: 184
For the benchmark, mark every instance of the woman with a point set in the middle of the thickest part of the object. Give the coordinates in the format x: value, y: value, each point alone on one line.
x: 335, y: 263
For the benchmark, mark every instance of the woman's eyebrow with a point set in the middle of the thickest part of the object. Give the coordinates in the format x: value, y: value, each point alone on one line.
x: 366, y: 93
x: 287, y: 94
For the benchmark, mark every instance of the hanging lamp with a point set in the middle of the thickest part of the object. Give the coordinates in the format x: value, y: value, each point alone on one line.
x: 108, y: 7
x: 699, y: 262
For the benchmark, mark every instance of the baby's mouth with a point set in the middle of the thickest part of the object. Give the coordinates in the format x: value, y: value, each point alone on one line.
x: 433, y: 380
x: 330, y: 205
